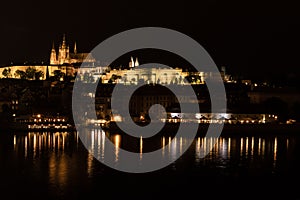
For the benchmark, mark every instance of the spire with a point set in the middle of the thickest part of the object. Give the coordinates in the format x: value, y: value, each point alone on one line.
x: 64, y: 40
x: 53, y: 58
x: 136, y: 62
x: 75, y: 48
x: 131, y: 63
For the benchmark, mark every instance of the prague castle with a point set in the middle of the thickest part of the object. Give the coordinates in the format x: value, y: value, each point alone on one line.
x: 62, y: 60
x: 67, y: 62
x: 64, y: 56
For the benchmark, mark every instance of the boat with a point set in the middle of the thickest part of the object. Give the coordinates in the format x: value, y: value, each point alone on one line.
x: 40, y: 122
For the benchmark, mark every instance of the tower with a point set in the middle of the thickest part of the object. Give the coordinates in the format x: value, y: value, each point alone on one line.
x: 75, y: 48
x: 64, y: 52
x: 53, y: 58
x: 136, y: 62
x: 131, y: 63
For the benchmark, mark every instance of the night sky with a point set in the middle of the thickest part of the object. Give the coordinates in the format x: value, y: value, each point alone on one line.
x: 252, y: 38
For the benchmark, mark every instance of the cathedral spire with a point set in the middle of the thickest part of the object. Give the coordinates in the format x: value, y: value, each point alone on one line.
x: 53, y: 58
x: 136, y: 62
x: 64, y: 40
x: 75, y: 48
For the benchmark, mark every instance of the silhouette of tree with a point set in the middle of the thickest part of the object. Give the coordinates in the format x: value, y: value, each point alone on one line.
x: 38, y: 75
x: 30, y: 72
x: 21, y: 74
x: 6, y: 72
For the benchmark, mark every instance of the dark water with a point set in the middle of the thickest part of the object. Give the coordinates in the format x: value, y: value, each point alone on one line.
x: 57, y: 166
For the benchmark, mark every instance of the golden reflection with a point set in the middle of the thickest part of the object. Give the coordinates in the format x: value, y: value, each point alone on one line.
x: 198, y: 147
x: 259, y: 146
x: 103, y: 144
x: 263, y: 147
x: 92, y: 141
x: 35, y: 142
x: 242, y: 148
x: 169, y: 145
x: 180, y: 145
x: 117, y: 141
x: 53, y: 140
x: 141, y: 147
x: 174, y: 148
x: 98, y: 143
x: 26, y: 147
x: 63, y: 141
x: 40, y: 142
x: 229, y: 147
x: 247, y: 146
x: 252, y: 146
x: 224, y: 152
x: 163, y: 145
x: 275, y: 150
x: 204, y: 145
x: 216, y: 144
x: 58, y: 169
x: 90, y: 164
x: 58, y: 140
x: 49, y: 141
x: 34, y: 145
x: 15, y: 141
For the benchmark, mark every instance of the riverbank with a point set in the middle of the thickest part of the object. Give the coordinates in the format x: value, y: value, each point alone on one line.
x: 171, y: 129
x: 229, y: 129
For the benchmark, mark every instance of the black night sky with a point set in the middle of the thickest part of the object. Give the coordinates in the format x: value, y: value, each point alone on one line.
x: 260, y: 39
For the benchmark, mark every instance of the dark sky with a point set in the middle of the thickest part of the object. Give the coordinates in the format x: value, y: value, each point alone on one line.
x: 258, y: 38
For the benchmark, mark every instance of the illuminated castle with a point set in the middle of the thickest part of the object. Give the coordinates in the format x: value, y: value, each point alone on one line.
x: 64, y: 55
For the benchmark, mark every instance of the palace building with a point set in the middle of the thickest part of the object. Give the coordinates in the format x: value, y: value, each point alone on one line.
x: 69, y: 62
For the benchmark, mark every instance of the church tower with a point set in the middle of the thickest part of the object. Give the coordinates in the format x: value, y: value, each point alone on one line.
x: 53, y: 58
x: 136, y: 62
x: 64, y: 53
x: 75, y: 48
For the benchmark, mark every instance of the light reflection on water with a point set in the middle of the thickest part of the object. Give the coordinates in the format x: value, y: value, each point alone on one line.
x: 60, y: 160
x: 33, y: 144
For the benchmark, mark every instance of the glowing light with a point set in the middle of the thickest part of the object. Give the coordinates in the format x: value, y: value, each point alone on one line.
x: 252, y: 145
x: 141, y: 147
x: 241, y: 146
x: 163, y: 146
x: 247, y: 145
x: 275, y: 149
x: 15, y: 141
x: 117, y: 146
x: 229, y: 147
x: 259, y: 146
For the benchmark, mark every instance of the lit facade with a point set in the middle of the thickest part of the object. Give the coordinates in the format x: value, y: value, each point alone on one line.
x: 64, y: 56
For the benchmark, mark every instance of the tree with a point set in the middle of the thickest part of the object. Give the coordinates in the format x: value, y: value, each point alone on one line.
x: 38, y: 75
x: 30, y: 72
x: 58, y: 74
x: 21, y: 74
x: 113, y: 78
x: 6, y: 72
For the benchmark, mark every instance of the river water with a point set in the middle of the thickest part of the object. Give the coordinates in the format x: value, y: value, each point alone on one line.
x: 58, y: 166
